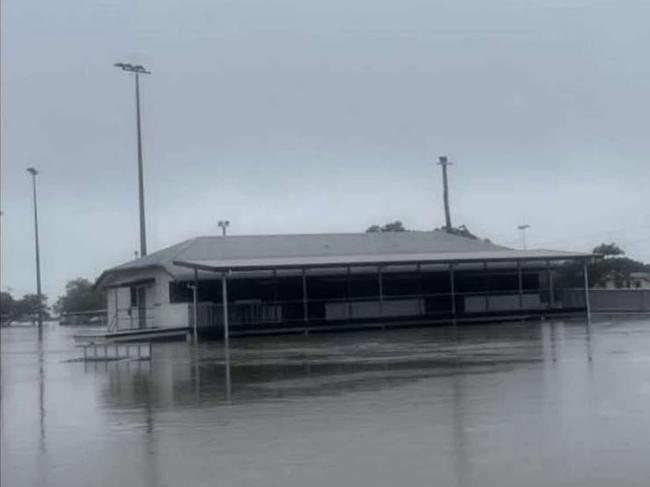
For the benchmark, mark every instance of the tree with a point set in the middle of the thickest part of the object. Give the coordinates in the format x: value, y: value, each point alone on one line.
x: 395, y: 226
x: 612, y: 266
x: 80, y: 295
x: 28, y: 307
x: 21, y: 309
x: 608, y: 250
x: 7, y: 308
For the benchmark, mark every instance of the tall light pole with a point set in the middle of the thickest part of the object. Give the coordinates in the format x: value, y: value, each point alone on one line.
x: 39, y: 293
x: 138, y: 70
x: 224, y: 224
x: 523, y: 234
x: 442, y: 161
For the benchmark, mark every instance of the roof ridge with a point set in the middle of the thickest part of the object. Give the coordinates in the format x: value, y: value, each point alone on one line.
x: 181, y: 248
x: 321, y: 234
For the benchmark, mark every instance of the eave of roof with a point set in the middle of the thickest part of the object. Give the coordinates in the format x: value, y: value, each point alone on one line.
x: 226, y: 265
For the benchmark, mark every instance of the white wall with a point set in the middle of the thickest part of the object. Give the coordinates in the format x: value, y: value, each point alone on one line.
x: 160, y: 312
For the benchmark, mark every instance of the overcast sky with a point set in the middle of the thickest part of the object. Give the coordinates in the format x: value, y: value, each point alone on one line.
x: 289, y: 116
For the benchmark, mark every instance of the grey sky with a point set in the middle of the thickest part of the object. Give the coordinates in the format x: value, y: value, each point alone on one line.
x: 293, y: 117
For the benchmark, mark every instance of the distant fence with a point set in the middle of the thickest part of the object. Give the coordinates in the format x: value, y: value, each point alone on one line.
x: 609, y: 300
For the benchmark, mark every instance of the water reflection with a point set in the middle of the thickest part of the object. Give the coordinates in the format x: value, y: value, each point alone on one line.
x: 184, y: 375
x: 481, y: 405
x: 41, y: 392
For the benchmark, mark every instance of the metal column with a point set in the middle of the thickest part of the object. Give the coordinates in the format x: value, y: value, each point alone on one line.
x: 195, y: 305
x: 224, y: 303
x: 348, y: 294
x: 275, y: 295
x: 551, y: 291
x: 305, y: 305
x: 486, y: 288
x: 421, y: 306
x: 452, y: 290
x: 585, y: 272
x: 520, y: 284
x: 380, y: 282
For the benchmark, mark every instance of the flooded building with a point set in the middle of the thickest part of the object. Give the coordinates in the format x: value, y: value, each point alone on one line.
x: 280, y: 283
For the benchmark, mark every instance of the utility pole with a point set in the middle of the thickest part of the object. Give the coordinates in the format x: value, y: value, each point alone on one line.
x: 442, y: 161
x: 39, y: 293
x: 138, y: 70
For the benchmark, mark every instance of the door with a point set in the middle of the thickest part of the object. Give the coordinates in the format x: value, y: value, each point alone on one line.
x: 142, y: 307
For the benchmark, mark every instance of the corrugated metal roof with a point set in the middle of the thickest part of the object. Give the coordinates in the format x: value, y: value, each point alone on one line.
x: 295, y: 250
x: 377, y: 259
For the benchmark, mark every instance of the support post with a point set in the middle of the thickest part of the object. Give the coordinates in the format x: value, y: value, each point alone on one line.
x: 520, y: 286
x: 224, y: 303
x: 551, y: 291
x: 349, y: 306
x: 117, y: 310
x: 585, y: 273
x: 486, y: 297
x: 305, y: 305
x: 195, y: 305
x: 380, y: 283
x: 421, y: 307
x: 452, y: 290
x: 275, y: 295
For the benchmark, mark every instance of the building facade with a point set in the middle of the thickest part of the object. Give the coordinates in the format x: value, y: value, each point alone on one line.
x: 280, y: 283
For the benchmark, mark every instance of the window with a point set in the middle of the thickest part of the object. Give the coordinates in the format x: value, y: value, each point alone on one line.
x: 179, y: 292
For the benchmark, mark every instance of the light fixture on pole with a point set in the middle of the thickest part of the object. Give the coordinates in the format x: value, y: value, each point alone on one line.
x: 523, y: 234
x: 39, y: 293
x: 138, y: 70
x: 224, y: 224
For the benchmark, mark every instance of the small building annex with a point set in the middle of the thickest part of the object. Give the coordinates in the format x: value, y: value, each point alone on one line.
x: 280, y: 283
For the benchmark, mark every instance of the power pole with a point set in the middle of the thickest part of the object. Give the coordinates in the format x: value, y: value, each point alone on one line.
x: 442, y: 161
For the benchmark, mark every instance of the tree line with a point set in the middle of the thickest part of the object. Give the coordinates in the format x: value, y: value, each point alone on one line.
x: 80, y: 295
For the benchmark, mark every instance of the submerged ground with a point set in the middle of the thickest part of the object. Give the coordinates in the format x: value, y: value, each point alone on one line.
x: 536, y: 404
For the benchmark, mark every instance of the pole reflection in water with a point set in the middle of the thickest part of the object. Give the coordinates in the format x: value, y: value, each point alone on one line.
x: 460, y: 457
x: 151, y: 442
x: 588, y: 337
x: 41, y: 391
x: 226, y: 361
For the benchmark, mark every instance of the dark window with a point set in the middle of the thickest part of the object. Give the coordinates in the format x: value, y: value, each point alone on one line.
x: 364, y: 286
x: 289, y: 288
x: 179, y: 292
x: 326, y: 287
x: 436, y: 282
x: 134, y: 296
x: 401, y: 284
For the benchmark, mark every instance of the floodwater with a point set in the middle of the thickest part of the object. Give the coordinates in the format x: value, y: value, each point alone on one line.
x: 535, y: 404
